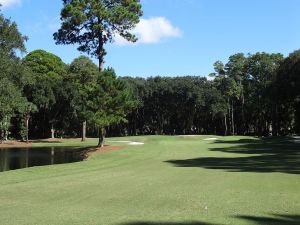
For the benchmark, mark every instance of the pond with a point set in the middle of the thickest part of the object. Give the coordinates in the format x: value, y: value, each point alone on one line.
x: 18, y: 158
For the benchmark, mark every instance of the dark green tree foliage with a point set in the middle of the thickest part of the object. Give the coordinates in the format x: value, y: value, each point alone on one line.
x: 174, y: 106
x: 109, y: 101
x: 82, y: 74
x: 13, y: 76
x: 238, y: 101
x: 286, y: 91
x: 261, y: 71
x: 230, y: 91
x: 92, y: 23
x: 11, y: 101
x: 244, y: 82
x: 11, y: 40
x: 47, y: 92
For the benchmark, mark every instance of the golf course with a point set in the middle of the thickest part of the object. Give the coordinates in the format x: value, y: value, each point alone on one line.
x: 170, y: 180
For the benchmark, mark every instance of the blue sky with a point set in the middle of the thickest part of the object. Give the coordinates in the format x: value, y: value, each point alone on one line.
x: 177, y: 37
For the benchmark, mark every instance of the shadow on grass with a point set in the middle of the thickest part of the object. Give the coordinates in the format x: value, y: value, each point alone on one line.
x: 275, y: 220
x: 167, y: 223
x: 265, y: 155
x: 253, y: 220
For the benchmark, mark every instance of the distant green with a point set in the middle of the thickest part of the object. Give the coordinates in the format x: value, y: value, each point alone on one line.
x: 168, y: 180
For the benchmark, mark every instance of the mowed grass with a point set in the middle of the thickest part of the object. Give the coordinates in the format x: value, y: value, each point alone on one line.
x: 169, y: 180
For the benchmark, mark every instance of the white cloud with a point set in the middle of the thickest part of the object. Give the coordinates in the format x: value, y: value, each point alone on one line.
x: 7, y: 3
x: 153, y: 30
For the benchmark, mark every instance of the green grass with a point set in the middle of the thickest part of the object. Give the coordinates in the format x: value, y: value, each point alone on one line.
x: 169, y: 180
x: 65, y: 143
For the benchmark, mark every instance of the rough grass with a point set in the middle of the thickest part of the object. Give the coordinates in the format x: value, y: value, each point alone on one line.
x: 169, y: 180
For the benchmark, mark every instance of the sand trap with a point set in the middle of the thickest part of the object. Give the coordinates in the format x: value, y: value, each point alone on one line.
x: 136, y: 143
x: 128, y: 142
x: 210, y: 139
x: 189, y: 135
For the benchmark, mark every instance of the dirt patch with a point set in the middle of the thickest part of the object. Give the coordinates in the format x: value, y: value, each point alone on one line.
x: 85, y: 152
x: 15, y: 144
x: 20, y: 144
x: 105, y: 149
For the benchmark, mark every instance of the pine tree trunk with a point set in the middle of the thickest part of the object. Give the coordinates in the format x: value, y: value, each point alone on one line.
x: 101, y: 50
x: 6, y: 135
x: 52, y: 132
x: 101, y: 137
x: 27, y: 128
x: 83, y: 135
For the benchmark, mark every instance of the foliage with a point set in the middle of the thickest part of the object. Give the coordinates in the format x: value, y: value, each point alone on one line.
x: 92, y: 23
x: 286, y: 89
x: 46, y: 92
x: 109, y: 100
x: 13, y: 76
x: 82, y: 74
x: 11, y: 40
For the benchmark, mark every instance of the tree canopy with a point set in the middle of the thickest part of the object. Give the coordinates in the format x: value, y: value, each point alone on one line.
x: 40, y: 95
x: 108, y: 103
x: 13, y: 76
x: 92, y: 23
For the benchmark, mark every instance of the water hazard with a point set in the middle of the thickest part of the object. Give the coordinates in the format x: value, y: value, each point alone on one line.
x: 18, y: 158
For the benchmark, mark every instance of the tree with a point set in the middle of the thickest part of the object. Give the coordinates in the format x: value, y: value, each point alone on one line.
x: 93, y: 23
x: 109, y: 101
x: 229, y: 89
x: 82, y: 72
x: 26, y: 109
x: 236, y: 70
x: 48, y: 71
x: 286, y: 89
x: 13, y: 76
x: 11, y: 40
x: 9, y: 98
x: 261, y: 72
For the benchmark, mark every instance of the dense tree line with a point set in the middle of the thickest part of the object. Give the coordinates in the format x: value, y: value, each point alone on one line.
x: 59, y: 93
x: 254, y: 94
x: 42, y: 97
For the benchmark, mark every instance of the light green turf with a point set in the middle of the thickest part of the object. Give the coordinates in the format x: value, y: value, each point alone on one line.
x: 169, y: 180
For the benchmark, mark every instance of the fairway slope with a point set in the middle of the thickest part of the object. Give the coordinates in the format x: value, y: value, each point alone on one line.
x: 168, y: 180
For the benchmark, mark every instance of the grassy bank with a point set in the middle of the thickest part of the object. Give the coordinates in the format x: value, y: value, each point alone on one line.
x: 169, y: 180
x: 75, y: 142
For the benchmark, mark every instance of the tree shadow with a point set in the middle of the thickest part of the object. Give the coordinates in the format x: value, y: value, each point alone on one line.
x: 274, y: 220
x: 167, y: 223
x: 261, y: 155
x: 253, y: 220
